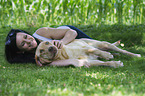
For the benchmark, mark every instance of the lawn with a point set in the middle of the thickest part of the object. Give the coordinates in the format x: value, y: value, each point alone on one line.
x: 31, y: 80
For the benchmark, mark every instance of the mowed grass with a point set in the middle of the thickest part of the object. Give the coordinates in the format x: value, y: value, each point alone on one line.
x: 31, y: 80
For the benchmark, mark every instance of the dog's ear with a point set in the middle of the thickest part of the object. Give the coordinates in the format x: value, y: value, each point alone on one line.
x: 38, y: 61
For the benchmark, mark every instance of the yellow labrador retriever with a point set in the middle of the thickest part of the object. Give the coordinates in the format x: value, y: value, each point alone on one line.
x: 80, y: 52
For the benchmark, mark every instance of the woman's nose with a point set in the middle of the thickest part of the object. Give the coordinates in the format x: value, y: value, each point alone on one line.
x: 28, y: 41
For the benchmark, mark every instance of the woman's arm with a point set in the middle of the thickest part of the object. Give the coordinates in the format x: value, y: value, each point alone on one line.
x: 69, y: 36
x: 64, y: 35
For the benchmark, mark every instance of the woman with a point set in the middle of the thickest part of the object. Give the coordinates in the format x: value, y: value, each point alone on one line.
x: 20, y: 46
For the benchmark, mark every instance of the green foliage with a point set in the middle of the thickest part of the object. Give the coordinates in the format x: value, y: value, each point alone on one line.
x: 62, y: 12
x: 30, y: 80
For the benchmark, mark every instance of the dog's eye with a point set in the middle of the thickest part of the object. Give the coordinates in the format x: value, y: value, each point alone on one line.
x: 41, y: 50
x: 46, y: 43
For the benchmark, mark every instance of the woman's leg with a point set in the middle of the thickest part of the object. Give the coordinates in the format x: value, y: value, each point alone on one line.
x: 80, y: 33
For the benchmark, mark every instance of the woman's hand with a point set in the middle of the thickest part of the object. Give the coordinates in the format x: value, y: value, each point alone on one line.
x: 57, y: 43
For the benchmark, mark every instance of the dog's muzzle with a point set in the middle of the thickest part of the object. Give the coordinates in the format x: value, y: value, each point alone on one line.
x: 52, y: 49
x: 38, y: 62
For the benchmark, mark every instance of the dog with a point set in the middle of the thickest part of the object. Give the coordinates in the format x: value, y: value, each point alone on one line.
x: 79, y: 52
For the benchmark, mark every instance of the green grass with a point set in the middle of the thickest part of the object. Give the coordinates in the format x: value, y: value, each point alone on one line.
x: 91, y: 16
x: 30, y: 80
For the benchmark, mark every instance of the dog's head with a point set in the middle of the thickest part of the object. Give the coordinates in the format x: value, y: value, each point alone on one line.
x: 45, y: 51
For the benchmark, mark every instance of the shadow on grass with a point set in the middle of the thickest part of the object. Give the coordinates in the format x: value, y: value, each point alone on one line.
x: 130, y: 35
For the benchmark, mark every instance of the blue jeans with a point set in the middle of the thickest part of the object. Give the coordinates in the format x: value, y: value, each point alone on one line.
x: 80, y: 33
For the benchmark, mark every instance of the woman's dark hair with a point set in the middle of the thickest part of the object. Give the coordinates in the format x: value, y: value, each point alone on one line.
x: 12, y: 53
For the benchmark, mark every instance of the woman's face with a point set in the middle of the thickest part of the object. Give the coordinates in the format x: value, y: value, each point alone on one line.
x: 25, y: 42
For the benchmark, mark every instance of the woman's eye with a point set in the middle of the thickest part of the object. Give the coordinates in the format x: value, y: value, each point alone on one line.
x: 25, y: 37
x: 23, y: 43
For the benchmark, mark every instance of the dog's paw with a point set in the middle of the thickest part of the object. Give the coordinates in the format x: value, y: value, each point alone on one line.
x: 137, y: 55
x: 117, y: 43
x: 107, y: 55
x: 116, y: 64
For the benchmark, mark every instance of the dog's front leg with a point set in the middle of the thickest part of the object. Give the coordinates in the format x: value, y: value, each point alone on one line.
x: 67, y: 62
x: 100, y: 53
x: 114, y: 64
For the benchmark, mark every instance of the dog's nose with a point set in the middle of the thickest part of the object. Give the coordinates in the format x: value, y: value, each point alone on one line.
x: 50, y: 49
